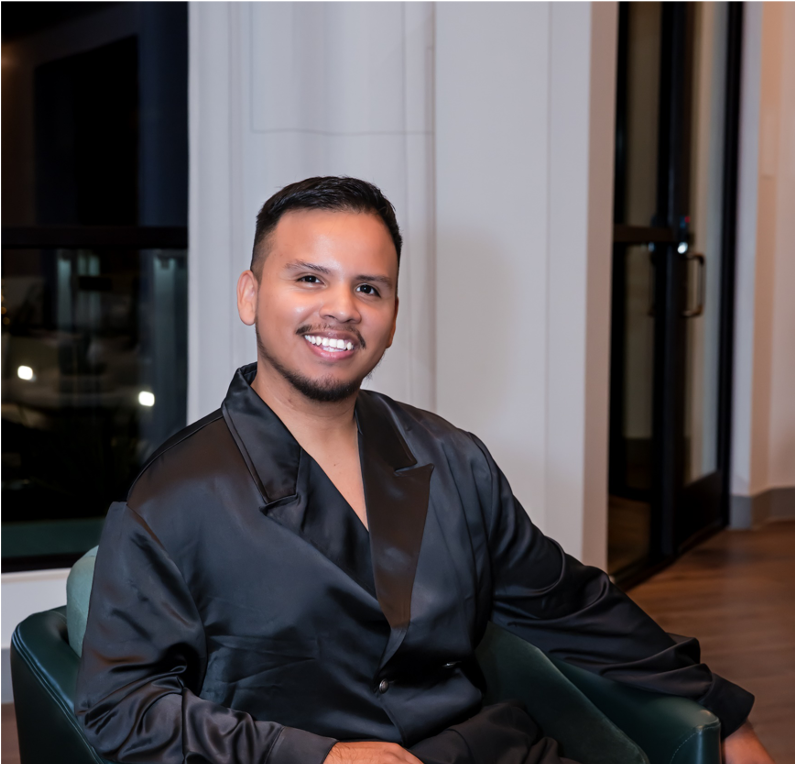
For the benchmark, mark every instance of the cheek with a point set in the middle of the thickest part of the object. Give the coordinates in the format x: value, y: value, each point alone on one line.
x: 280, y: 313
x: 382, y: 326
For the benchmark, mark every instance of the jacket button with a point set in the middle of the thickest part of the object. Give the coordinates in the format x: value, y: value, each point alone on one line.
x: 383, y: 686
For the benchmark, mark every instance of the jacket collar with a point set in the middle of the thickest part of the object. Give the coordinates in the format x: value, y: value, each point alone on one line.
x: 298, y: 495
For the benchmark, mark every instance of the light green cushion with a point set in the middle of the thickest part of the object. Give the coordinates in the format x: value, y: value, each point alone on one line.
x: 78, y: 593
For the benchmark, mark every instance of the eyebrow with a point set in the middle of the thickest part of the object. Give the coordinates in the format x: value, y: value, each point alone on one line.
x: 297, y: 265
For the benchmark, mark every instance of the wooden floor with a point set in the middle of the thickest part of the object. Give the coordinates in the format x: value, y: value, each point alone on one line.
x: 736, y: 592
x: 10, y: 750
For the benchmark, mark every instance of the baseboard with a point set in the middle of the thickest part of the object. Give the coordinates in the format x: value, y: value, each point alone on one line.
x: 769, y: 506
x: 7, y: 694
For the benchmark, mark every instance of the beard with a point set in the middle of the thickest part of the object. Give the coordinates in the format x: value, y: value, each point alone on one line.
x: 323, y: 390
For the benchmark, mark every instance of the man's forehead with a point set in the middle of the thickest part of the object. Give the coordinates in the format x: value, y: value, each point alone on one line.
x: 361, y: 234
x: 332, y: 220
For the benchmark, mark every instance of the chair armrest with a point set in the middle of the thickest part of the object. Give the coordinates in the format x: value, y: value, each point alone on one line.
x: 44, y: 675
x: 671, y: 730
x: 513, y: 668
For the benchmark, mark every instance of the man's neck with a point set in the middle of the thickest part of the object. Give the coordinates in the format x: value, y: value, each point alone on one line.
x: 314, y: 424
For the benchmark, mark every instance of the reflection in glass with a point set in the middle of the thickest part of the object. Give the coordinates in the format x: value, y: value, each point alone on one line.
x: 706, y: 183
x: 629, y: 503
x: 638, y: 364
x: 84, y: 335
x: 644, y: 29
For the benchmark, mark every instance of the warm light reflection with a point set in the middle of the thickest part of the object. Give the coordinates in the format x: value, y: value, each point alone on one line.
x: 25, y: 372
x: 146, y: 398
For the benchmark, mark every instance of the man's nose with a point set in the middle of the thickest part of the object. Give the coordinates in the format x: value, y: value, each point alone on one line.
x: 340, y: 304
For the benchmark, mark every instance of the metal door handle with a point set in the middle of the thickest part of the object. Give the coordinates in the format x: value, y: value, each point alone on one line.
x: 702, y: 285
x: 652, y: 281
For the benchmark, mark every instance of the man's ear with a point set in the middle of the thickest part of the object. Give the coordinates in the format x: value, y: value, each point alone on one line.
x: 394, y: 322
x: 247, y: 288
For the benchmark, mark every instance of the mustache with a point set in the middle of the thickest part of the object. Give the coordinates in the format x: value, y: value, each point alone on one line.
x: 306, y: 329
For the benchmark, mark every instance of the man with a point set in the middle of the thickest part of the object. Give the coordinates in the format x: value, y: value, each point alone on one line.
x: 303, y: 575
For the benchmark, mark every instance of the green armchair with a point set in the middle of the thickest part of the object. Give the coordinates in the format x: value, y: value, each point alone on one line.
x: 596, y: 721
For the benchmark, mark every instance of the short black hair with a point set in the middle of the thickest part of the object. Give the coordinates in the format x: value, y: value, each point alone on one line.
x: 324, y: 193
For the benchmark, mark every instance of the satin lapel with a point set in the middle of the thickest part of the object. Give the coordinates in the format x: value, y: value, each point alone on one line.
x: 397, y: 491
x: 296, y: 492
x: 269, y: 449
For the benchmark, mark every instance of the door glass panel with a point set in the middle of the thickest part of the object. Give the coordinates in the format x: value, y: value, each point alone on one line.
x: 706, y: 185
x: 629, y: 520
x: 640, y: 122
x: 638, y: 364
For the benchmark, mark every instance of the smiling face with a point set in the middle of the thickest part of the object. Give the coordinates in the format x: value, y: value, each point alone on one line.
x: 325, y: 305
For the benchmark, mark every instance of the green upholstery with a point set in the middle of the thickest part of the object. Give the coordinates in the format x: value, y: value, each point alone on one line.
x: 515, y: 669
x: 594, y: 719
x: 78, y: 592
x: 671, y: 730
x: 44, y: 673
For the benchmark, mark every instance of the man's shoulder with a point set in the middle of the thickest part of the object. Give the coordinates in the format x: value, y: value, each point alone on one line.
x: 187, y: 461
x: 420, y: 423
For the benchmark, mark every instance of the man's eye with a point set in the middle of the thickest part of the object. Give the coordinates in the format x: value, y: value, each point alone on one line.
x: 309, y: 279
x: 368, y: 289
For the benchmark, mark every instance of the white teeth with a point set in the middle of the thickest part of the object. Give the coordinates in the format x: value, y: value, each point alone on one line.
x: 329, y: 343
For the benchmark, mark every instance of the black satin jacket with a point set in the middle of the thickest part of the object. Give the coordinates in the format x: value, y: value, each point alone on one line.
x: 241, y: 612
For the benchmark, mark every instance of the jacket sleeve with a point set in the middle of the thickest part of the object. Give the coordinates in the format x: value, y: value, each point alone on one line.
x: 143, y: 664
x: 574, y: 612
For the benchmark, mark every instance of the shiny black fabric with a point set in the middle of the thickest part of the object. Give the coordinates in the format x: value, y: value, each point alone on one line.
x: 241, y: 612
x: 502, y: 733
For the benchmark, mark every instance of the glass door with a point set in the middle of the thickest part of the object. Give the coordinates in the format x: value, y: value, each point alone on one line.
x: 675, y: 185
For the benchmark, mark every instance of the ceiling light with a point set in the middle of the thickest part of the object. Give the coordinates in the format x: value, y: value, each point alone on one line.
x: 146, y: 398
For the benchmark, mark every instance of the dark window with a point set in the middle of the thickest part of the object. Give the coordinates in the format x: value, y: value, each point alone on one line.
x: 94, y: 280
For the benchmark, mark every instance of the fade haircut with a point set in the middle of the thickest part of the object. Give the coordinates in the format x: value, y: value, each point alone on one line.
x: 334, y: 193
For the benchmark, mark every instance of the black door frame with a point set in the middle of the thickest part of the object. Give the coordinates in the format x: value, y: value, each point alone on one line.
x: 675, y: 508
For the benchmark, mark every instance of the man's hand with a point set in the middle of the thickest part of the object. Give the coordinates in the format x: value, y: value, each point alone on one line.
x: 744, y: 747
x: 370, y: 753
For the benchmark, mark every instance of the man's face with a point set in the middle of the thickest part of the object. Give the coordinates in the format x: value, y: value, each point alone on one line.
x: 325, y: 305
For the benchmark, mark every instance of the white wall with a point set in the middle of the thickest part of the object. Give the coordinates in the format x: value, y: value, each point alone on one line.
x: 504, y: 324
x: 524, y: 130
x: 283, y: 91
x: 763, y: 439
x: 24, y: 594
x: 524, y: 176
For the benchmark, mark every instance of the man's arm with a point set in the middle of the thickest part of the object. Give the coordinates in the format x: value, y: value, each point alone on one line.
x: 143, y: 663
x: 744, y: 747
x: 574, y: 612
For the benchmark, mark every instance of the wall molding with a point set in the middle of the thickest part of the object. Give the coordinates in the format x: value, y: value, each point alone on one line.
x: 769, y: 506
